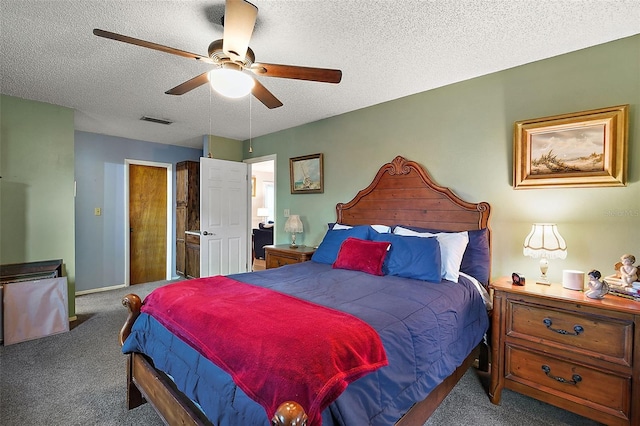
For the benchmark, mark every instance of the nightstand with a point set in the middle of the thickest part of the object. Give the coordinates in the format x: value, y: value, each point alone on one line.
x: 560, y: 347
x: 282, y: 254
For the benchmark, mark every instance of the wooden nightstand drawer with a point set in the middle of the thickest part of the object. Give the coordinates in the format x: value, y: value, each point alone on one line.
x: 579, y: 383
x: 282, y: 254
x: 597, y: 336
x: 277, y: 260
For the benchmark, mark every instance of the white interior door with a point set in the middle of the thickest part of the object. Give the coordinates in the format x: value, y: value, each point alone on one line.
x: 223, y: 217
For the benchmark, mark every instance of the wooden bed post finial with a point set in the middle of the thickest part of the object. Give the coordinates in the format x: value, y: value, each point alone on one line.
x: 133, y: 303
x: 289, y: 414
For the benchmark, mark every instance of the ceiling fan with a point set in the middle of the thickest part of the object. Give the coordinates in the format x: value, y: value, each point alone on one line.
x: 232, y: 56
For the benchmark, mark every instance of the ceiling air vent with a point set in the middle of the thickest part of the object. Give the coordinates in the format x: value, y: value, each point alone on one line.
x: 155, y: 120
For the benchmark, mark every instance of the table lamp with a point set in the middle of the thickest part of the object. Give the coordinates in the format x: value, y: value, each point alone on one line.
x: 293, y: 225
x: 263, y: 212
x: 544, y: 242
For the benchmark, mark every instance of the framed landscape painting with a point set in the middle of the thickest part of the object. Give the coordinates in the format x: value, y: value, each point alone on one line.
x: 306, y: 174
x: 581, y: 149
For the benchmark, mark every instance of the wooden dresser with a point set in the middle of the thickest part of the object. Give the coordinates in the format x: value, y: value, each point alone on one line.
x: 560, y: 347
x: 282, y: 254
x: 187, y: 215
x: 192, y: 255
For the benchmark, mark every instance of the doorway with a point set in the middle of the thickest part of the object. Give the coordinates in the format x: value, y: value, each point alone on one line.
x: 263, y: 202
x: 148, y: 221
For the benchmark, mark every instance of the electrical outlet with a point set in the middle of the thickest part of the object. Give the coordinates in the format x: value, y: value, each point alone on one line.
x: 97, y: 211
x: 286, y: 212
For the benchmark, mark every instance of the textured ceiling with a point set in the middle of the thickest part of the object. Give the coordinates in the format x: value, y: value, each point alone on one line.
x: 385, y: 49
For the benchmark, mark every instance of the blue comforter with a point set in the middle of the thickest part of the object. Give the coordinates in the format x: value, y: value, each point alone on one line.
x: 427, y: 330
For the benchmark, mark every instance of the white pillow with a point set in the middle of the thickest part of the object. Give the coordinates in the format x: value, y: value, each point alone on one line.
x: 488, y: 303
x: 381, y: 229
x: 452, y: 247
x: 339, y: 226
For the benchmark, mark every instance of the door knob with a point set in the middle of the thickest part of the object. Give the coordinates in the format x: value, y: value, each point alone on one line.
x: 207, y: 233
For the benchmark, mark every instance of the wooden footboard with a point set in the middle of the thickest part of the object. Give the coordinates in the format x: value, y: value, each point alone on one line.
x: 147, y: 384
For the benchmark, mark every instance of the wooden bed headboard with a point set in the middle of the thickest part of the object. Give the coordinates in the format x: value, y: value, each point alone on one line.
x: 403, y: 193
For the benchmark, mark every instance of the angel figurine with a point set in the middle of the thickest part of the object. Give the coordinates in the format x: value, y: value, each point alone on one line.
x: 597, y: 287
x: 628, y: 272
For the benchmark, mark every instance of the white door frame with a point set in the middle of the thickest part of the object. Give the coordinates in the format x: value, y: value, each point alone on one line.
x: 250, y: 161
x: 127, y: 242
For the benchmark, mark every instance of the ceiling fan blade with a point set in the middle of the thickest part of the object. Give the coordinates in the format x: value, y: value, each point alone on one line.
x: 323, y: 75
x: 265, y: 96
x: 239, y: 21
x: 150, y: 45
x: 189, y: 85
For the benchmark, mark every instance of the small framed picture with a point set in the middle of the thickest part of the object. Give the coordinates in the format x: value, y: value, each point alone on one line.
x: 306, y: 174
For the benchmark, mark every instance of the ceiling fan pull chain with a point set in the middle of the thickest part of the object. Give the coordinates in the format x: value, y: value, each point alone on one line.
x: 250, y: 146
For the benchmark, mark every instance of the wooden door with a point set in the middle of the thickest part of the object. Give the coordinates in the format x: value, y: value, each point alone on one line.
x: 147, y: 223
x: 224, y: 200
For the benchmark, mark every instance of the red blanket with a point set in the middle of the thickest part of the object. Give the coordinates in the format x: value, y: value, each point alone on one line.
x: 276, y: 347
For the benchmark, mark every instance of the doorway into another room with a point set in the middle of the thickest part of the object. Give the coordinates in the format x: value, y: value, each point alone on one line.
x: 263, y: 196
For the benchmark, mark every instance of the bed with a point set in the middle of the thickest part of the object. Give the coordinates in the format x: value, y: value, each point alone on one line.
x: 422, y: 362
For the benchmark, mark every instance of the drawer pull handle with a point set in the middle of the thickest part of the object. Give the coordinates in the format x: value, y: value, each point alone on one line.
x: 574, y: 379
x: 576, y: 328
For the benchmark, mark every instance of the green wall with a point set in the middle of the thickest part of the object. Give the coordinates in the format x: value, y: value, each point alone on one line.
x: 463, y: 135
x: 222, y: 148
x: 37, y: 185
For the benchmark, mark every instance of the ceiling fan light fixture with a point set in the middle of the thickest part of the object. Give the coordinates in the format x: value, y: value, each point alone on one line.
x: 231, y: 82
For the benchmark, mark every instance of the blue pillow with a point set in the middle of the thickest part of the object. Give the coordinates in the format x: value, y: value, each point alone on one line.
x: 476, y: 260
x: 328, y: 249
x: 477, y: 257
x: 412, y: 257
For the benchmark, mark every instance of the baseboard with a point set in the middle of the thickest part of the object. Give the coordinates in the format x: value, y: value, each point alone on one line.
x: 99, y: 290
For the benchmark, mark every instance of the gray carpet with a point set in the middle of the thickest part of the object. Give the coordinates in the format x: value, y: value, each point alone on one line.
x: 78, y: 378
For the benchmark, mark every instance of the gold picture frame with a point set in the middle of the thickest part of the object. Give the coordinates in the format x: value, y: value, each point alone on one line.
x: 253, y: 186
x: 581, y: 149
x: 306, y: 174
